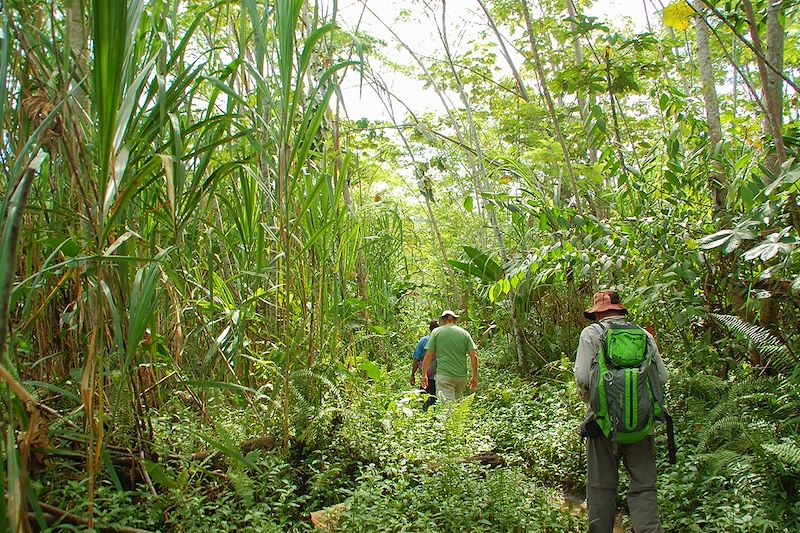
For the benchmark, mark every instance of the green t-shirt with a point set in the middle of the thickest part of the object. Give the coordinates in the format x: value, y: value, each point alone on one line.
x: 451, y: 345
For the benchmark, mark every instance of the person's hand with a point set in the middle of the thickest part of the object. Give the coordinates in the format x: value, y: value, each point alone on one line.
x: 413, y: 380
x: 473, y: 383
x: 424, y: 383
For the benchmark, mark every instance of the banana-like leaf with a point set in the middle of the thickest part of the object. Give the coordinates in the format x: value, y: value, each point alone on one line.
x: 109, y: 38
x: 471, y: 270
x: 485, y: 263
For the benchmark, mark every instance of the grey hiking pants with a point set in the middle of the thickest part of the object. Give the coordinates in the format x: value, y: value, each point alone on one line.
x: 602, y: 479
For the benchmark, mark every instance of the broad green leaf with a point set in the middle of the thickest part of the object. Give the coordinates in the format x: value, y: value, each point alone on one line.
x: 472, y: 270
x: 678, y: 15
x: 796, y: 285
x: 485, y: 263
x: 372, y: 370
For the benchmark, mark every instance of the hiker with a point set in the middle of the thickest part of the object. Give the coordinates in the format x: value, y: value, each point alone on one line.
x: 416, y: 364
x: 450, y: 344
x: 609, y: 439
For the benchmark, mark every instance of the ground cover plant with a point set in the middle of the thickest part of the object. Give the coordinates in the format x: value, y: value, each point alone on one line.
x: 217, y: 259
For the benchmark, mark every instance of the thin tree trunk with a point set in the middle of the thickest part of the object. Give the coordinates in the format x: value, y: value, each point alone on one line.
x: 772, y: 97
x: 431, y: 217
x: 550, y: 107
x: 523, y: 92
x: 774, y: 86
x: 443, y: 251
x: 735, y: 97
x: 479, y: 169
x: 716, y: 177
x: 615, y: 122
x: 583, y: 101
x: 447, y: 107
x: 770, y: 70
x: 78, y: 46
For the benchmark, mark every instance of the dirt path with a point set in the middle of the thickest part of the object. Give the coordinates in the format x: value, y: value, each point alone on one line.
x: 576, y: 506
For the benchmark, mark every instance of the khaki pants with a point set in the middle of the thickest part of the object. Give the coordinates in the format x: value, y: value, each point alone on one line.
x: 602, y: 479
x: 449, y: 388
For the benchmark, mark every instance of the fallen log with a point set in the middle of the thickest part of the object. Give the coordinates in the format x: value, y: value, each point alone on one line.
x: 259, y: 443
x: 325, y: 519
x: 488, y: 458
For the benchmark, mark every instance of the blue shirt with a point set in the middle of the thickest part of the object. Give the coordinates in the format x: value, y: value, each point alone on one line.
x: 419, y: 355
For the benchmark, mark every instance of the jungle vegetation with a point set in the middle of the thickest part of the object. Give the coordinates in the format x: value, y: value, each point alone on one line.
x: 214, y: 271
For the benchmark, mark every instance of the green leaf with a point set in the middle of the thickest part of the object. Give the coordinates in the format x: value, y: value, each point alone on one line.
x: 472, y: 270
x: 108, y: 44
x: 469, y: 203
x: 231, y: 452
x: 796, y: 284
x: 485, y: 263
x: 372, y: 370
x: 380, y: 330
x: 678, y: 15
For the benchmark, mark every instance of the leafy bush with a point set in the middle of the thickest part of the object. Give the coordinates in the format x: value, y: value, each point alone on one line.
x: 738, y: 461
x: 454, y: 497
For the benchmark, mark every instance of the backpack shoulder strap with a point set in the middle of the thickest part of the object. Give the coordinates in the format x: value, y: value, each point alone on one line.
x: 602, y: 342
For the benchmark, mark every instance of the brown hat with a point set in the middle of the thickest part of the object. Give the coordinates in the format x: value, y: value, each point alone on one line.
x: 605, y: 301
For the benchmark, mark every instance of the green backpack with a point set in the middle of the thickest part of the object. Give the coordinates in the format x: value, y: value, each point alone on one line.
x: 625, y: 392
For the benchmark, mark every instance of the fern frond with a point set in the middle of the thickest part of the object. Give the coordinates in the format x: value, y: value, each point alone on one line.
x: 740, y: 469
x: 706, y: 386
x: 779, y: 358
x: 763, y: 340
x: 317, y: 384
x: 242, y: 485
x: 787, y: 452
x: 759, y: 335
x: 719, y: 459
x: 725, y: 424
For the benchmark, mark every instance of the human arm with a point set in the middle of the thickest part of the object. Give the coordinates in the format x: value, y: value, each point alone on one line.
x: 661, y: 369
x: 426, y: 363
x: 588, y: 346
x: 416, y: 359
x: 473, y: 359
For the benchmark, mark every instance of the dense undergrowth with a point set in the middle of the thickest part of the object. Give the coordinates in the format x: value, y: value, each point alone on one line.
x: 396, y: 467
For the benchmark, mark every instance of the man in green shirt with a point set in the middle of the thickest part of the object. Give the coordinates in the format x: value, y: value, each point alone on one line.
x: 450, y: 345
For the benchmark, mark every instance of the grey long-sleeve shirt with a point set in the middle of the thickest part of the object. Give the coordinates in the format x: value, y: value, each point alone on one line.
x: 589, y: 347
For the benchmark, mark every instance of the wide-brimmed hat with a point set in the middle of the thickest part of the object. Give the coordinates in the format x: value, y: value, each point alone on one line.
x: 604, y: 301
x: 449, y: 312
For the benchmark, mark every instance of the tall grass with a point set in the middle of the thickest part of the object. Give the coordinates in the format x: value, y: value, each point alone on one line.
x: 187, y: 227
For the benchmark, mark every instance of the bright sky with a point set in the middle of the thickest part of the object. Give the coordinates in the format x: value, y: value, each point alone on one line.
x: 464, y: 20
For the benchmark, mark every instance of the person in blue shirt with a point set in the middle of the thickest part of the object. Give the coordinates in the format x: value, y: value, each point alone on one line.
x: 416, y: 364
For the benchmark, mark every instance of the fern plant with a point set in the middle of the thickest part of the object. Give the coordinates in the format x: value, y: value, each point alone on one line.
x: 777, y: 352
x: 787, y: 452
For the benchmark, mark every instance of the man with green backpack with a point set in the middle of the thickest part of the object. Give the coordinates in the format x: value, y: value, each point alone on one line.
x: 620, y: 375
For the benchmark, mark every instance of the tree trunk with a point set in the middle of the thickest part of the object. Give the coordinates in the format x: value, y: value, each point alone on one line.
x: 584, y: 103
x: 443, y: 251
x: 773, y: 90
x: 478, y: 168
x: 550, y: 107
x: 716, y: 177
x: 773, y: 93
